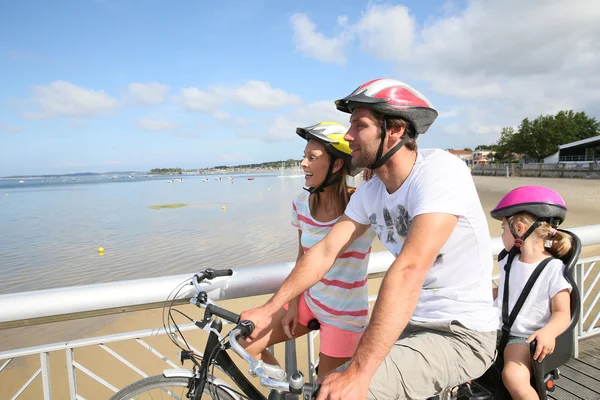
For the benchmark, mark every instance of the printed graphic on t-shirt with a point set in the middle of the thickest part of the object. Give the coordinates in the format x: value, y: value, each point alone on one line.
x: 396, y: 221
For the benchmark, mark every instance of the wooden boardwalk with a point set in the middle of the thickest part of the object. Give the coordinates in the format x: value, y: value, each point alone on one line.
x: 580, y: 378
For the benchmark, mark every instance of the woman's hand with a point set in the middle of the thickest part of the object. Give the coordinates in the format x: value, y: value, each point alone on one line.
x: 289, y: 321
x: 545, y: 343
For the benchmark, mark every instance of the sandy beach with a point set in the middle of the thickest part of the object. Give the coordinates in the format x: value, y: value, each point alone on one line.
x: 582, y: 197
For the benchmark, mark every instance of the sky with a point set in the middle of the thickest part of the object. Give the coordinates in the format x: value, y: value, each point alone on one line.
x: 98, y: 86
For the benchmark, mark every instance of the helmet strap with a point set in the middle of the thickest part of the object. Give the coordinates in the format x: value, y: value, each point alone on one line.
x: 379, y: 160
x: 519, y: 240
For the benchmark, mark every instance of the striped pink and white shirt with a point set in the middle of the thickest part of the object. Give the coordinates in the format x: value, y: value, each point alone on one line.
x: 340, y: 298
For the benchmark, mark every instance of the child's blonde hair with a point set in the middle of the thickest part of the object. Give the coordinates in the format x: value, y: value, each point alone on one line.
x: 561, y: 242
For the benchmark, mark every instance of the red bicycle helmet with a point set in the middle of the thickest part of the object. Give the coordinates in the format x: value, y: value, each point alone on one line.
x: 392, y: 98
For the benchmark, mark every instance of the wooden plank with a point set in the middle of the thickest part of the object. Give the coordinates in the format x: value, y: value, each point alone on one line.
x: 581, y: 379
x: 590, y: 346
x: 561, y: 394
x: 576, y: 389
x: 590, y: 360
x: 583, y: 367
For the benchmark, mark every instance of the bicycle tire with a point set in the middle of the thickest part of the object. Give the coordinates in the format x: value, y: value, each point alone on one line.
x: 154, y: 384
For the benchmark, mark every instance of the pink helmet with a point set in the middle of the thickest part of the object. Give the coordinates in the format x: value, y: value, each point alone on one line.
x: 540, y: 201
x: 394, y: 99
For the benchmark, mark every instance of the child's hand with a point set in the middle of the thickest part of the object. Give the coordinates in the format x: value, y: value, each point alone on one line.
x: 545, y: 344
x: 289, y: 321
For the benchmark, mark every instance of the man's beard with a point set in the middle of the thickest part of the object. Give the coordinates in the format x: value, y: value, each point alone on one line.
x: 364, y: 160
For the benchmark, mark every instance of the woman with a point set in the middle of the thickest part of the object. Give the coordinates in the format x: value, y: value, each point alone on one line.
x: 339, y: 301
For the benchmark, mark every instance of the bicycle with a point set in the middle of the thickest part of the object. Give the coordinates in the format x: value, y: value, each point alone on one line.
x: 196, y: 382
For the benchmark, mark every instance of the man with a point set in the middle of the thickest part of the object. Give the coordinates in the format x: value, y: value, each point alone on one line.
x: 433, y: 325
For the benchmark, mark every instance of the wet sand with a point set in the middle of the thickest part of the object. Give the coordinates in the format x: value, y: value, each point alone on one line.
x: 582, y: 197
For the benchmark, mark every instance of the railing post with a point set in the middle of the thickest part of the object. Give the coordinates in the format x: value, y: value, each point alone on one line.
x: 580, y: 281
x: 45, y: 364
x: 71, y: 374
x: 310, y: 344
x: 291, y: 364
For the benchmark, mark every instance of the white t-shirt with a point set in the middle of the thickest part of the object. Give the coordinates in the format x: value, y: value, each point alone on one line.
x: 459, y: 284
x: 536, y: 311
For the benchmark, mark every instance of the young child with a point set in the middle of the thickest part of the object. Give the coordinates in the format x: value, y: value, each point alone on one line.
x: 530, y: 215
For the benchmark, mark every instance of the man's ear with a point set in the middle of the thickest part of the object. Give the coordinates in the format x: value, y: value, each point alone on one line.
x: 396, y: 133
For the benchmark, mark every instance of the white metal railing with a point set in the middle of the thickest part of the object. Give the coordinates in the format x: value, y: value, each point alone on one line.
x: 26, y: 308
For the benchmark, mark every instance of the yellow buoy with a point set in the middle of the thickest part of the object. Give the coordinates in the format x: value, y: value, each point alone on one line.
x: 269, y: 188
x: 101, y: 250
x: 223, y: 208
x: 260, y: 194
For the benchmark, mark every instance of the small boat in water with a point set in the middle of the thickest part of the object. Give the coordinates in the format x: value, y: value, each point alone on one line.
x: 250, y: 179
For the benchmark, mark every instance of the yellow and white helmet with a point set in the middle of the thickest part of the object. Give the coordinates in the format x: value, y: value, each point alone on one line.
x: 331, y: 135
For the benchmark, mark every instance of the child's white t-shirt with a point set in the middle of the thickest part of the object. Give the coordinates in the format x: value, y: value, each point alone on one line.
x: 536, y: 311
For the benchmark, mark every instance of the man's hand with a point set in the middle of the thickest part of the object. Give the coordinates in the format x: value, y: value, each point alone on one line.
x: 260, y: 316
x: 347, y: 385
x: 545, y: 343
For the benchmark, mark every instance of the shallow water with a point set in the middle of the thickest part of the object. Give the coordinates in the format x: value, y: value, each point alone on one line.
x: 50, y: 231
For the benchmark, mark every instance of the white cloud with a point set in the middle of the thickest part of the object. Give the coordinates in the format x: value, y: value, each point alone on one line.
x: 283, y: 127
x: 148, y: 93
x: 261, y: 96
x: 498, y: 61
x: 194, y: 99
x: 10, y: 128
x: 257, y: 95
x: 314, y: 44
x: 387, y: 32
x: 156, y: 125
x: 64, y: 99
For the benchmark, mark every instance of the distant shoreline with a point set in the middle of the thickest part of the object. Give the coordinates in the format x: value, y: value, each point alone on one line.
x: 208, y: 171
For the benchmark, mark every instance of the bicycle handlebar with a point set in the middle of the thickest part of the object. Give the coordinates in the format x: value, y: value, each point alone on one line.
x: 271, y: 376
x: 209, y: 273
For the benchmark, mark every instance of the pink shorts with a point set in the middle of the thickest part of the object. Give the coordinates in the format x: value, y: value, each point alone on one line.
x: 335, y: 342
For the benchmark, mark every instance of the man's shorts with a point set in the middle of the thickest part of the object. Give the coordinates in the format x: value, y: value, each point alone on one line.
x: 431, y: 357
x: 335, y: 342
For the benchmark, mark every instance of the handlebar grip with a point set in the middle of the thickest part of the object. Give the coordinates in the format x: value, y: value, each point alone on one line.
x: 223, y: 272
x: 223, y: 313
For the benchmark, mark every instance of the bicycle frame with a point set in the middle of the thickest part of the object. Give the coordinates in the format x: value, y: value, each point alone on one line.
x: 226, y: 363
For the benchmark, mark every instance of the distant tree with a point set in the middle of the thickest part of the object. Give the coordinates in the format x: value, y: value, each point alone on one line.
x: 483, y: 147
x: 166, y: 171
x: 468, y: 149
x: 541, y: 137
